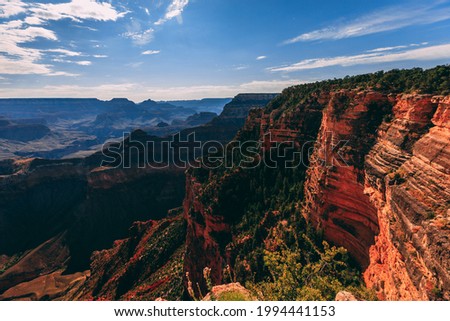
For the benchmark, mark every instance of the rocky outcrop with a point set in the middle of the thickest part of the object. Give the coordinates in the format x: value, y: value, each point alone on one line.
x: 229, y: 292
x: 345, y: 296
x: 204, y: 231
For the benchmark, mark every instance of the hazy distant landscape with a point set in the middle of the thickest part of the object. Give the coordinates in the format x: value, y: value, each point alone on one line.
x: 61, y: 128
x: 225, y: 150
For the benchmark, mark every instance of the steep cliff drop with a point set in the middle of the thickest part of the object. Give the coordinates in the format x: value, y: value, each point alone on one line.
x: 408, y: 181
x: 388, y: 207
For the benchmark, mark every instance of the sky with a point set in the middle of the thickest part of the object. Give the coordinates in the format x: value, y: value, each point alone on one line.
x: 191, y: 49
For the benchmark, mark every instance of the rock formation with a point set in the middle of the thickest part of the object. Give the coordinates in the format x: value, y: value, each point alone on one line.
x: 377, y: 184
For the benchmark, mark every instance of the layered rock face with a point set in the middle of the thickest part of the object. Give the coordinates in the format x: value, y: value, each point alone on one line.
x: 377, y: 184
x: 388, y: 207
x: 408, y: 181
x: 334, y: 200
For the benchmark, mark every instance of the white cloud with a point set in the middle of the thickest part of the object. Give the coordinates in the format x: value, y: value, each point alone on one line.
x: 100, y: 56
x: 241, y: 67
x: 387, y: 48
x: 174, y: 10
x: 64, y: 52
x: 424, y: 54
x: 151, y: 52
x: 86, y: 27
x: 396, y: 48
x: 15, y: 59
x: 33, y: 20
x: 62, y: 73
x: 83, y: 63
x: 76, y: 10
x: 384, y: 20
x: 261, y: 57
x: 140, y: 38
x: 10, y: 8
x: 139, y: 35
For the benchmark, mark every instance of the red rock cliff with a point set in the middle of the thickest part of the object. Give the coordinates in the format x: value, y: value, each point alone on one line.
x: 378, y: 184
x: 388, y: 207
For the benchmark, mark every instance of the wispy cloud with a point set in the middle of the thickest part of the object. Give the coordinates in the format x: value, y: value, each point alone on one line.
x: 174, y: 10
x: 76, y: 10
x: 64, y: 52
x: 139, y: 34
x: 100, y: 56
x: 135, y: 65
x: 81, y: 63
x: 261, y: 57
x: 398, y: 47
x: 140, y: 38
x: 10, y: 8
x: 240, y: 67
x: 151, y: 52
x: 425, y: 54
x: 390, y: 18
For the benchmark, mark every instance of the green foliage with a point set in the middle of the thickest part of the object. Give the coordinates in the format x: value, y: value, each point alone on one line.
x: 437, y: 293
x: 232, y: 296
x: 431, y: 81
x: 295, y: 278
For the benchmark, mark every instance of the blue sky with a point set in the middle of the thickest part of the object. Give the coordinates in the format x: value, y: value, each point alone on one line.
x: 186, y: 49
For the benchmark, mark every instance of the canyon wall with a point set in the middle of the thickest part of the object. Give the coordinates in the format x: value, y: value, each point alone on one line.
x: 378, y: 184
x: 408, y: 181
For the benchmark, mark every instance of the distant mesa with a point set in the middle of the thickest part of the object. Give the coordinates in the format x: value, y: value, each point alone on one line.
x: 22, y: 131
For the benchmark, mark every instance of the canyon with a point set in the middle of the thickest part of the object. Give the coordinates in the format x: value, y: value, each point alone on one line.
x: 373, y: 179
x: 55, y: 213
x: 383, y: 194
